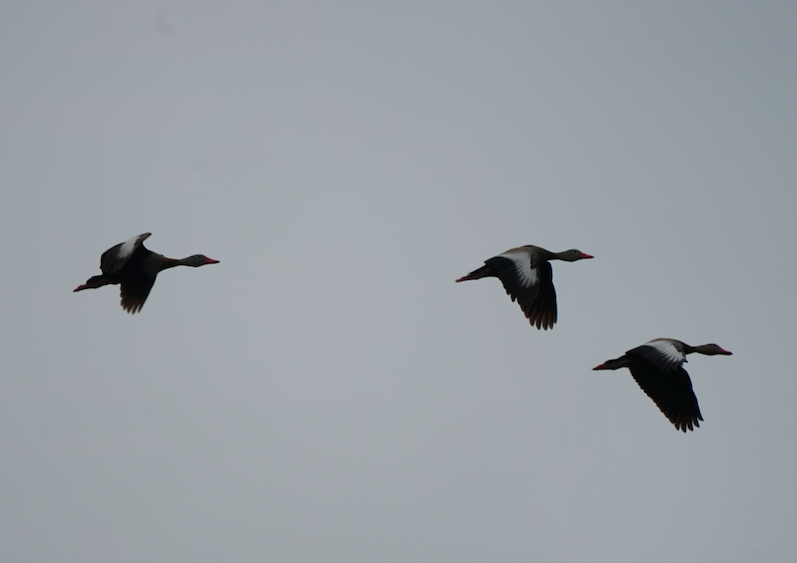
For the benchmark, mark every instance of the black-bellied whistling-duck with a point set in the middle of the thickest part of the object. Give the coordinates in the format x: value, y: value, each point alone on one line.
x: 657, y: 367
x: 527, y: 276
x: 135, y: 269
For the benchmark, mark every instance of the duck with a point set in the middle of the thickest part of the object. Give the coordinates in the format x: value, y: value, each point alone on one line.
x: 657, y: 366
x: 134, y: 268
x: 527, y: 277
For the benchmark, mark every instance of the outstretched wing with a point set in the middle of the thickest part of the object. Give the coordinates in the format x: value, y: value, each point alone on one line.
x: 115, y: 258
x: 134, y: 293
x: 671, y: 391
x: 529, y: 281
x: 541, y: 312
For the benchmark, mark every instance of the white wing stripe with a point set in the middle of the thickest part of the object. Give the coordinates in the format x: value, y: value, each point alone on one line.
x: 528, y: 275
x: 668, y: 351
x: 127, y: 247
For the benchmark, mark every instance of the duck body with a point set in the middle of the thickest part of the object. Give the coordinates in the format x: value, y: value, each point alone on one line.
x: 657, y: 367
x: 134, y: 268
x: 527, y: 277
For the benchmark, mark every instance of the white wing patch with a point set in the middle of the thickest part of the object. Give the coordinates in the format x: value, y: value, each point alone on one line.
x: 522, y: 259
x: 129, y: 245
x: 667, y: 353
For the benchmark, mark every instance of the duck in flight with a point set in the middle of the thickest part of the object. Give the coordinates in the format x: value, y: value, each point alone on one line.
x: 657, y: 367
x: 134, y: 268
x: 527, y: 276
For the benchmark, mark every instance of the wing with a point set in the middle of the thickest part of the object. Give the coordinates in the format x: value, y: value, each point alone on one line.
x: 115, y: 258
x: 663, y: 353
x: 135, y: 292
x: 541, y: 312
x: 672, y: 393
x: 529, y: 281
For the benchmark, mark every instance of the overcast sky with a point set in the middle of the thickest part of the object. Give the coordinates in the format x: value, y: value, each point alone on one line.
x: 327, y: 393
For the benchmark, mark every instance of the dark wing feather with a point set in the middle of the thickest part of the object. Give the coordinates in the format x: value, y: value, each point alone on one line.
x: 537, y: 301
x: 111, y: 262
x: 134, y: 293
x: 671, y: 391
x: 541, y: 312
x: 506, y: 271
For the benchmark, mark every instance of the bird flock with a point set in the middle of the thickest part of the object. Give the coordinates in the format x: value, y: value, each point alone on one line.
x: 527, y: 277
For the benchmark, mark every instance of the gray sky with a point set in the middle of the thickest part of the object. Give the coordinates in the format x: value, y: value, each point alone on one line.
x: 328, y: 393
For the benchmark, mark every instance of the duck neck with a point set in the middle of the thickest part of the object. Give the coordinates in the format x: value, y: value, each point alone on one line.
x: 158, y: 263
x: 548, y: 255
x: 702, y: 349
